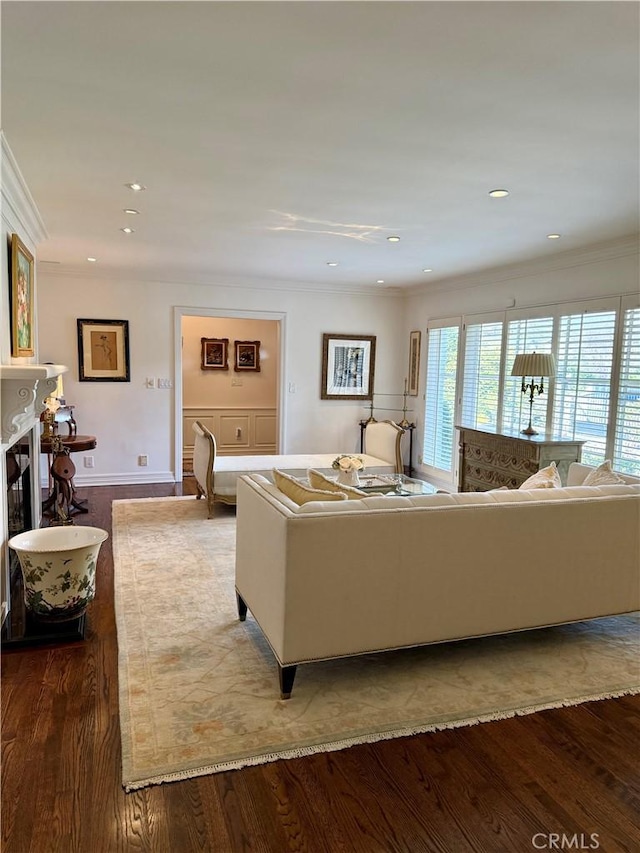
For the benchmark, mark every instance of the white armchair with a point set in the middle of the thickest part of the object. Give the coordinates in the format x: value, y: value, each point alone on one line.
x: 382, y: 439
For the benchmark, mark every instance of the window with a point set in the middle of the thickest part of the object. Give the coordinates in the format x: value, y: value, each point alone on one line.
x: 533, y: 334
x: 594, y: 396
x: 442, y: 368
x: 626, y: 445
x: 481, y: 389
x: 584, y: 362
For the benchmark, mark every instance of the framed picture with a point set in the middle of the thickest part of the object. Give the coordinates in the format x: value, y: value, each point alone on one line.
x: 247, y: 355
x: 215, y: 353
x: 414, y: 363
x: 103, y: 350
x: 348, y: 365
x: 22, y: 331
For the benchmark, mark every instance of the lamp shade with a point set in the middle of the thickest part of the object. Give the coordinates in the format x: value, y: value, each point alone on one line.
x: 534, y: 364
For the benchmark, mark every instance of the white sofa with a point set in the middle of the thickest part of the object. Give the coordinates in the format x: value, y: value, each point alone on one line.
x: 332, y: 579
x: 217, y: 476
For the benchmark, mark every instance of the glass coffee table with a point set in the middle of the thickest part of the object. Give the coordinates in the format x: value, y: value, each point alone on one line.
x: 394, y: 484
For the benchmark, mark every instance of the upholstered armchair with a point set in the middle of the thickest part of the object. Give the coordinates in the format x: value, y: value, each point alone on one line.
x: 382, y: 439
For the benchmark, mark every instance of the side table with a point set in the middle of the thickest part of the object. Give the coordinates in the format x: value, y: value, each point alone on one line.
x: 70, y: 444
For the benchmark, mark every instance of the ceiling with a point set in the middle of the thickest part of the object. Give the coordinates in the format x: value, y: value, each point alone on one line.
x: 275, y: 137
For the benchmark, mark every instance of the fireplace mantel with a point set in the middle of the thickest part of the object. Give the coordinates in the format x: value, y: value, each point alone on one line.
x: 24, y: 388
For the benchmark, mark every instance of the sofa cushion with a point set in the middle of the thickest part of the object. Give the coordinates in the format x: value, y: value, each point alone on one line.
x: 317, y: 480
x: 545, y: 478
x: 603, y: 475
x: 301, y: 494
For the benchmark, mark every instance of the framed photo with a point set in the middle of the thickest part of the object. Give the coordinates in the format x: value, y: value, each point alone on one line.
x: 103, y: 350
x: 215, y: 353
x: 22, y: 331
x: 348, y: 365
x: 247, y: 355
x: 414, y: 363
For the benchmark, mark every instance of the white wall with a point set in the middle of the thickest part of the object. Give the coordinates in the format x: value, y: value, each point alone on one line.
x: 129, y: 420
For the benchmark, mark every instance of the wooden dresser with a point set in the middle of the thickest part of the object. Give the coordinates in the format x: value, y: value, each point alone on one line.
x: 489, y: 459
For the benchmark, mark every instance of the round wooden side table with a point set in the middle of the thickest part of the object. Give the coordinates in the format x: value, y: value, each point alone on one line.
x: 62, y: 498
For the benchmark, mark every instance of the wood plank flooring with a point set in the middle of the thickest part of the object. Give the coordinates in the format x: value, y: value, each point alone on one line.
x: 503, y: 786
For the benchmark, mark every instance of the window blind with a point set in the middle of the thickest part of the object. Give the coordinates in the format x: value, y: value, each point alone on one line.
x: 583, y: 380
x: 533, y: 334
x: 626, y: 445
x: 440, y: 398
x: 481, y: 388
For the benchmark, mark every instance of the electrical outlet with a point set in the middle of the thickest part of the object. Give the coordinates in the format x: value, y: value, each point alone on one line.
x: 88, y: 461
x: 292, y: 388
x: 143, y: 460
x: 236, y: 380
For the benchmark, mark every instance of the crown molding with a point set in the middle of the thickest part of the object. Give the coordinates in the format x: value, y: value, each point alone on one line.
x: 215, y: 281
x: 597, y: 252
x: 18, y: 205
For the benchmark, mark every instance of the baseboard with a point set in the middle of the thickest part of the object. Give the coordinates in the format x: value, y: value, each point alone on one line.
x: 129, y: 479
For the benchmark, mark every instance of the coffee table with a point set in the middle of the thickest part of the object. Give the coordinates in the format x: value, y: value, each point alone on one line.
x: 379, y: 482
x: 394, y: 484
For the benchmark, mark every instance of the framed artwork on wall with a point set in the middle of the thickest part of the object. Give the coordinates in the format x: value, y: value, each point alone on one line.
x: 215, y: 353
x: 22, y: 331
x: 414, y: 363
x: 247, y: 355
x: 348, y: 366
x: 103, y: 350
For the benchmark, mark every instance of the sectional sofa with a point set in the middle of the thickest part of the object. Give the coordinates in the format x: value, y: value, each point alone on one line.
x: 332, y: 579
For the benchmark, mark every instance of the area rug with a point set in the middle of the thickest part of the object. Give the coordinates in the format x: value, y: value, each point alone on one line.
x: 199, y: 689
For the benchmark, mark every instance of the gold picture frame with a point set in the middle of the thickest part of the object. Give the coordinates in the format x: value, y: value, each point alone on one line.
x: 348, y: 367
x: 103, y: 351
x: 247, y: 356
x: 414, y: 363
x: 22, y: 331
x: 215, y: 353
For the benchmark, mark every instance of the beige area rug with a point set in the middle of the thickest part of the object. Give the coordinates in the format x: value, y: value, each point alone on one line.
x: 199, y: 689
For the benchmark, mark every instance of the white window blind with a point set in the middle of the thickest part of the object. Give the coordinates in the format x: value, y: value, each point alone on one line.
x: 440, y: 398
x: 583, y: 380
x: 626, y: 446
x: 533, y: 334
x: 481, y: 388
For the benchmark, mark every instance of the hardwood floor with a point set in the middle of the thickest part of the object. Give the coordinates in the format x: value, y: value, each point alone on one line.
x: 503, y: 786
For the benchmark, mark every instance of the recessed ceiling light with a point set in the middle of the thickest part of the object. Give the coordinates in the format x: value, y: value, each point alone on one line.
x: 136, y: 187
x: 127, y: 230
x: 332, y: 263
x: 380, y: 281
x: 553, y: 236
x: 132, y: 211
x: 499, y: 193
x: 92, y: 260
x: 427, y: 270
x: 393, y: 239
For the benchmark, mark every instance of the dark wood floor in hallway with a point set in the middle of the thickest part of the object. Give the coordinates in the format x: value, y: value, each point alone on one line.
x: 567, y: 777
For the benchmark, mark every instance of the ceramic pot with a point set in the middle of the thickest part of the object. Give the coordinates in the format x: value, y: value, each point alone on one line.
x: 349, y: 478
x: 59, y: 569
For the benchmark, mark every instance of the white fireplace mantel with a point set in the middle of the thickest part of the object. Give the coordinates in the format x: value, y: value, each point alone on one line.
x: 24, y: 388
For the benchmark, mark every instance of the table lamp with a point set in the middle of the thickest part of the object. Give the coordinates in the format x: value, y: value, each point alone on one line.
x: 533, y: 364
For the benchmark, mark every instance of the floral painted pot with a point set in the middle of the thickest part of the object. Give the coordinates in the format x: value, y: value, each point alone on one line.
x: 59, y: 569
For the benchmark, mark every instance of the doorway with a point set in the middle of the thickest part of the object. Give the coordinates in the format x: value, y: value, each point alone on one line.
x: 245, y: 405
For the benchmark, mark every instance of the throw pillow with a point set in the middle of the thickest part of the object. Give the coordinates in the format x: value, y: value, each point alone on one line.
x: 545, y: 478
x: 301, y: 494
x: 317, y: 480
x: 603, y: 475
